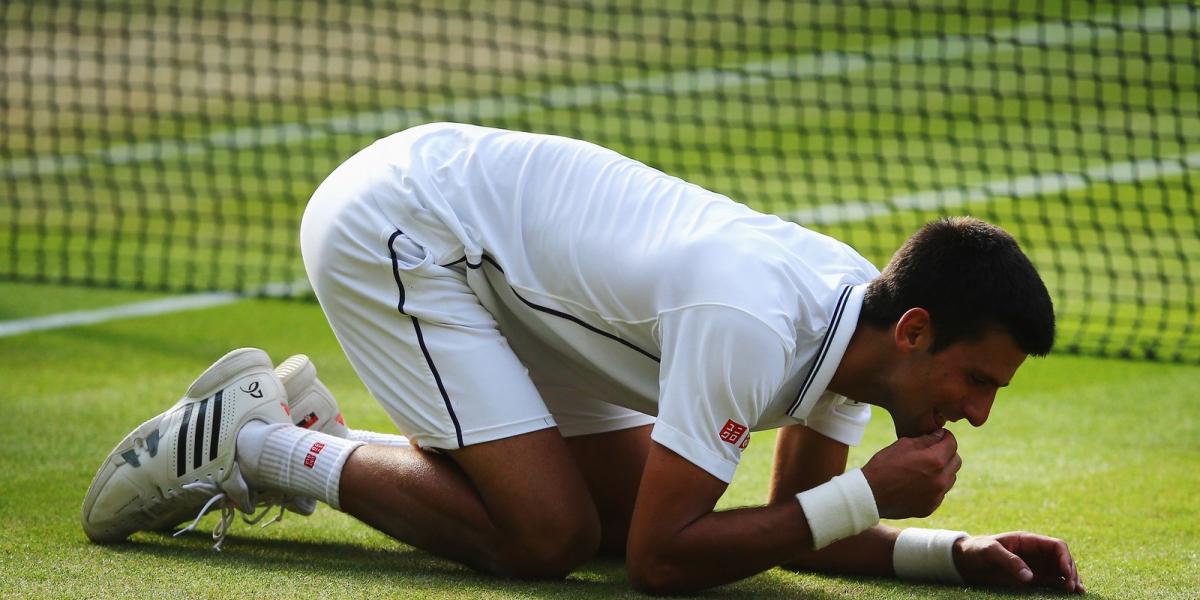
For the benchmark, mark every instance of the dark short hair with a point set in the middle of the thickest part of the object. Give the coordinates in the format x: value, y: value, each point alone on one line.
x: 971, y: 276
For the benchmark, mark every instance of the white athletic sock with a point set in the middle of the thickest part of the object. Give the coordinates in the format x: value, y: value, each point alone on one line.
x: 383, y: 439
x: 294, y: 460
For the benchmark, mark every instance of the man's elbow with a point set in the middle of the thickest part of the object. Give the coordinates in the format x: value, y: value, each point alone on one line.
x: 655, y: 576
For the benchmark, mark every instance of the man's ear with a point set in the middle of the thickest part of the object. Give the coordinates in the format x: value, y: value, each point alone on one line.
x: 914, y: 331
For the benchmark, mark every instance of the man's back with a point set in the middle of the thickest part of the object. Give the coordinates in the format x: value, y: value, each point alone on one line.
x: 603, y: 237
x: 637, y: 288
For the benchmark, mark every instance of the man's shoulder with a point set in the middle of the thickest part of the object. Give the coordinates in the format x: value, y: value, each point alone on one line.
x: 792, y: 291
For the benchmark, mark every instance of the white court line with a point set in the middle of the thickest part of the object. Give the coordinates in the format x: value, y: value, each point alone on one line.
x: 140, y: 309
x: 113, y: 313
x: 1041, y: 35
x: 1019, y: 187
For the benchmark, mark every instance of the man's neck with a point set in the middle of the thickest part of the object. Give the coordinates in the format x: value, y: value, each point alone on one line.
x: 863, y: 372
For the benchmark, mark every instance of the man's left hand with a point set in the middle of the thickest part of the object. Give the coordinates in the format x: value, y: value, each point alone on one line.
x: 1017, y: 559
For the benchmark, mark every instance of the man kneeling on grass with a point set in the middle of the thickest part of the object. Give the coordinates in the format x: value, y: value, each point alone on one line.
x: 577, y: 346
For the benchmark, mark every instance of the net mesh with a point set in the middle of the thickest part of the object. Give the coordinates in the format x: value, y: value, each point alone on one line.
x: 172, y: 145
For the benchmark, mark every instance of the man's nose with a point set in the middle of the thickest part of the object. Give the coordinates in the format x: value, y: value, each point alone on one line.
x: 977, y: 411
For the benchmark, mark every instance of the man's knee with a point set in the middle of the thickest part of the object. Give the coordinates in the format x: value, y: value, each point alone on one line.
x: 544, y: 520
x: 552, y: 547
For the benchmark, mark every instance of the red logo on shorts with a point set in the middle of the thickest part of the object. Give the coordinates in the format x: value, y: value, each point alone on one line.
x: 311, y: 458
x: 732, y: 431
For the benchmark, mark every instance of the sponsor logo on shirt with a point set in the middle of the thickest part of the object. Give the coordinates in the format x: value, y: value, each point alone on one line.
x: 732, y: 432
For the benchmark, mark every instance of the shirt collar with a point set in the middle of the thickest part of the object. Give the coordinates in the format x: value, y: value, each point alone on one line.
x: 842, y: 324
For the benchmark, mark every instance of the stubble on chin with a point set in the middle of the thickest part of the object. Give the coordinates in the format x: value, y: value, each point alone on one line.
x: 911, y: 428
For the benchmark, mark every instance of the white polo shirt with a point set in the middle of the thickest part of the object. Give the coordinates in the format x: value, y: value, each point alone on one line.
x: 672, y: 300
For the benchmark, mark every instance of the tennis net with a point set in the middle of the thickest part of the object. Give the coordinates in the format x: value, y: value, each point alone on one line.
x: 172, y: 145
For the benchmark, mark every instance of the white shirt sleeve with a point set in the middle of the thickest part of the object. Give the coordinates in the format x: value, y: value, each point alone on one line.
x: 720, y: 369
x: 839, y: 418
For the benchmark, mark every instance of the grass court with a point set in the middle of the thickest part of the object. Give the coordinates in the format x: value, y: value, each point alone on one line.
x: 182, y: 161
x: 1100, y: 452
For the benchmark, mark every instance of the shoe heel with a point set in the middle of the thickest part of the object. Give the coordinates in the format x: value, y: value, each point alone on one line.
x: 226, y: 368
x: 296, y: 373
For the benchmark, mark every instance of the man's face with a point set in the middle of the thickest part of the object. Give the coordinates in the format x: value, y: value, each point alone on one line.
x: 959, y: 382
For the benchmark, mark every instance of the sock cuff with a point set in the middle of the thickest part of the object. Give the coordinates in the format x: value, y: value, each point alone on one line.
x: 252, y: 441
x: 379, y: 439
x: 333, y: 475
x: 304, y: 462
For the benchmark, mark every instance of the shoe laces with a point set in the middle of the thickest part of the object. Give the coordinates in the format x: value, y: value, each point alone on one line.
x: 253, y: 519
x: 218, y: 498
x: 222, y: 500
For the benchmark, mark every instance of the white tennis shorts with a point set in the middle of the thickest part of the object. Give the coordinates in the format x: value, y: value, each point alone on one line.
x: 416, y: 333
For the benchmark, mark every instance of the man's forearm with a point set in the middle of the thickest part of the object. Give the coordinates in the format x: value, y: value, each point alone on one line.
x: 868, y: 553
x: 717, y: 548
x: 677, y: 543
x: 805, y: 459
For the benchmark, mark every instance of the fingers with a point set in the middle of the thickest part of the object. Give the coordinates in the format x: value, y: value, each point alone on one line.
x: 1055, y: 565
x: 955, y: 464
x: 931, y: 439
x: 947, y: 447
x: 1011, y: 563
x: 1067, y: 566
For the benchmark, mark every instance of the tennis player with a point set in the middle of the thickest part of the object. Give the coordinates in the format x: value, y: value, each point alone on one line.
x: 577, y: 348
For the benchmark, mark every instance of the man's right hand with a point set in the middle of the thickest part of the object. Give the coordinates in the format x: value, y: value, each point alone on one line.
x: 912, y: 476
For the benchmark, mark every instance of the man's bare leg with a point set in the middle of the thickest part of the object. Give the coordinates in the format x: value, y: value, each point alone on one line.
x: 612, y: 464
x: 517, y: 506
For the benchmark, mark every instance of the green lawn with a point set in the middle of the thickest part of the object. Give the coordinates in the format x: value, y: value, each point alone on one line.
x: 1102, y: 453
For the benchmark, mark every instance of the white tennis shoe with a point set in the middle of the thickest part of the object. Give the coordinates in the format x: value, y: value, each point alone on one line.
x: 312, y: 404
x: 183, y: 460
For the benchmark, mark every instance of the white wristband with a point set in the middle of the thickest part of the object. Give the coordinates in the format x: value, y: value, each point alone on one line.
x: 927, y: 554
x: 839, y: 508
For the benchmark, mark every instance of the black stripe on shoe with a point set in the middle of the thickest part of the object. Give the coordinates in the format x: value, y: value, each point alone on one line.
x: 216, y: 435
x: 181, y: 443
x: 198, y: 444
x: 152, y: 443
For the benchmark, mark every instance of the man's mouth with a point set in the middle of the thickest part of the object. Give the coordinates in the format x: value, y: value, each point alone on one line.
x: 934, y: 421
x: 939, y: 419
